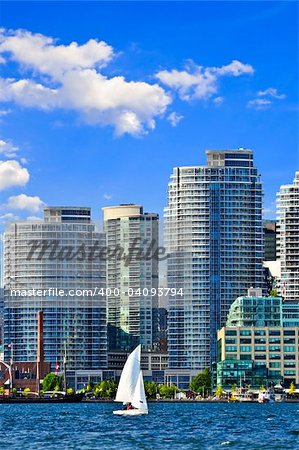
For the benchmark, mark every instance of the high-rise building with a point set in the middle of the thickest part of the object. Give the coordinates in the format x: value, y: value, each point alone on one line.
x: 269, y: 227
x: 288, y: 239
x: 1, y: 297
x: 132, y: 277
x: 53, y: 257
x: 1, y: 317
x: 214, y: 237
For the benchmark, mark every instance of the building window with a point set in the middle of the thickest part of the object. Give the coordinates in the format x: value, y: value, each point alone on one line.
x: 260, y: 332
x: 274, y: 332
x: 230, y: 348
x: 289, y: 348
x: 274, y: 364
x: 245, y: 348
x: 245, y: 332
x: 289, y: 332
x: 231, y: 333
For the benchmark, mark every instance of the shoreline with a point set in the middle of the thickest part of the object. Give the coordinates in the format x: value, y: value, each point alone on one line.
x: 73, y: 400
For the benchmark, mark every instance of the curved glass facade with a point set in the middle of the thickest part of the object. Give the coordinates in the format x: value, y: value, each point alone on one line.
x: 214, y: 237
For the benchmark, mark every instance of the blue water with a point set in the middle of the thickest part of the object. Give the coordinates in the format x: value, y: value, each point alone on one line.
x: 168, y: 426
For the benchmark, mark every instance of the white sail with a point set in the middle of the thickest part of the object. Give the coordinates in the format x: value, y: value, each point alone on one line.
x: 129, y: 377
x: 139, y: 399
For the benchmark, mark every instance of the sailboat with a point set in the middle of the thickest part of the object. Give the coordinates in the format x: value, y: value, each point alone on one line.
x: 131, y: 387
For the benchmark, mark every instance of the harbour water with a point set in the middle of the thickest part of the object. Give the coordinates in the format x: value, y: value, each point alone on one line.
x: 91, y: 426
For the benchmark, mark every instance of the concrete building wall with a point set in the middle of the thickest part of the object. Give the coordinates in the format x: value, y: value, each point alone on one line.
x: 277, y: 348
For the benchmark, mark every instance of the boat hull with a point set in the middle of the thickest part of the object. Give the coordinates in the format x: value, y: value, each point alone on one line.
x: 129, y: 412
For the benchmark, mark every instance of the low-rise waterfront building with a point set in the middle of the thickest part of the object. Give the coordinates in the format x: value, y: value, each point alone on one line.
x: 180, y: 377
x: 153, y: 365
x: 24, y: 375
x: 275, y: 348
x: 242, y: 373
x: 262, y: 334
x: 255, y: 310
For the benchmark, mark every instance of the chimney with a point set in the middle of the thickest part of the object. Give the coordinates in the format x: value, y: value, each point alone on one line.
x: 40, y: 337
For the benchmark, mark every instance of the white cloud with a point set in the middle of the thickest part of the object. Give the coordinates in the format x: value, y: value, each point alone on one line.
x: 198, y: 82
x: 4, y: 112
x: 264, y: 98
x: 8, y: 149
x: 174, y: 119
x: 235, y: 68
x: 196, y: 85
x: 26, y: 202
x: 218, y: 100
x: 271, y: 92
x: 28, y: 93
x: 34, y: 218
x: 42, y: 53
x: 8, y: 217
x: 12, y: 174
x: 259, y: 103
x: 75, y: 83
x: 107, y: 196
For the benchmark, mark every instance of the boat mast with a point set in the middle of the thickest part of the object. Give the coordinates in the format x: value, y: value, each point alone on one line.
x: 64, y: 368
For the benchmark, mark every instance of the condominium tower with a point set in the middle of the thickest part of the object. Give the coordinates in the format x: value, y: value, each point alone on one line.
x: 132, y: 277
x: 214, y: 236
x: 54, y: 255
x: 288, y: 239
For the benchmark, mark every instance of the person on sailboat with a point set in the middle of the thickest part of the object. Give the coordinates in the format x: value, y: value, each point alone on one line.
x: 130, y: 389
x: 130, y: 406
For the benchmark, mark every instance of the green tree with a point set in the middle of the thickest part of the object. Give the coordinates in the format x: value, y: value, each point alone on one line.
x: 151, y: 389
x: 52, y: 382
x: 201, y: 382
x: 1, y: 390
x: 111, y: 388
x: 105, y: 389
x: 167, y: 391
x: 273, y: 293
x: 234, y: 387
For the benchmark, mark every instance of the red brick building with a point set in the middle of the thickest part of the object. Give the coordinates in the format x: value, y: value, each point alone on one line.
x: 23, y: 374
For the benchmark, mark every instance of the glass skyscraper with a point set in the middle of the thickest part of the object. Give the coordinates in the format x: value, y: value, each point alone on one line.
x: 288, y: 240
x: 76, y: 321
x: 132, y: 272
x: 214, y: 236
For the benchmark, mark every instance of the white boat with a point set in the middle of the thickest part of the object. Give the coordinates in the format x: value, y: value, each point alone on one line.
x: 261, y: 397
x: 264, y: 397
x: 131, y: 387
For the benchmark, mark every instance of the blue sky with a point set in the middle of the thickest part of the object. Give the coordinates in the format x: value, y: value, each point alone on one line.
x: 101, y: 131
